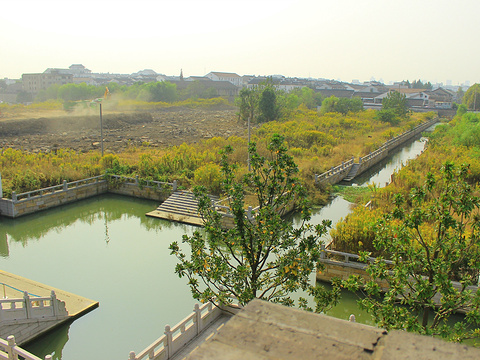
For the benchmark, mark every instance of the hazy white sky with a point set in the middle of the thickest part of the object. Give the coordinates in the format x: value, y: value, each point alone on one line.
x: 392, y: 40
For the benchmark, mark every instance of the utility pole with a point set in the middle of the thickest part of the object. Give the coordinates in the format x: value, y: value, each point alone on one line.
x: 248, y: 146
x: 101, y: 128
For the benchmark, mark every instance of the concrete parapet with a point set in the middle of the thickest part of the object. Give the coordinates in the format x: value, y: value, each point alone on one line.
x: 339, y: 172
x: 47, y: 198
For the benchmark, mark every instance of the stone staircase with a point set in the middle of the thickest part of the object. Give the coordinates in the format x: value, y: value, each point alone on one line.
x: 352, y: 173
x: 181, y: 206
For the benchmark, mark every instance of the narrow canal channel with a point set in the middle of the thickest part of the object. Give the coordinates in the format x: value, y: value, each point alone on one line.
x: 106, y: 249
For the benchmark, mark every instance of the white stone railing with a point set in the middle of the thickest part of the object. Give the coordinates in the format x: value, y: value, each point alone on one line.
x: 83, y: 182
x: 9, y: 350
x: 166, y: 346
x: 347, y: 258
x: 335, y: 170
x: 32, y: 308
x: 55, y: 189
x: 388, y: 145
x: 137, y: 181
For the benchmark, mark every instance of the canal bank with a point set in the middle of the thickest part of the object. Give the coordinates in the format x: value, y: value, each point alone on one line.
x: 105, y: 248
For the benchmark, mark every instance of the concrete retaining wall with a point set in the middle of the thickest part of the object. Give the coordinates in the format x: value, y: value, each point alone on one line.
x: 339, y: 172
x: 337, y: 269
x: 139, y: 191
x: 34, y: 201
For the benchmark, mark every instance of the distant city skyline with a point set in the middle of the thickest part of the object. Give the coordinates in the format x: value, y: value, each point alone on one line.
x: 344, y: 40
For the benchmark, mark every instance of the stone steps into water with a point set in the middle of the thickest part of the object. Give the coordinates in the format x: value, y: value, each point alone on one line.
x: 181, y: 206
x: 352, y: 173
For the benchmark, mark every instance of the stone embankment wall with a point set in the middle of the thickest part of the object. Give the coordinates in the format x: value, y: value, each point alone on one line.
x: 47, y: 198
x: 338, y: 173
x: 367, y: 161
x: 341, y: 265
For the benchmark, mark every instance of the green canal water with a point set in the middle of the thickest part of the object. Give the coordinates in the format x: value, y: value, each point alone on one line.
x: 106, y: 249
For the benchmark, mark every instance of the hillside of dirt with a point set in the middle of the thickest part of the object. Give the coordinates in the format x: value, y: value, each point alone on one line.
x: 160, y: 128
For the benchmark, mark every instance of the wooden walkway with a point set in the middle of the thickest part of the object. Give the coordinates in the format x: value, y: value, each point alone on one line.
x: 181, y: 206
x: 13, y: 287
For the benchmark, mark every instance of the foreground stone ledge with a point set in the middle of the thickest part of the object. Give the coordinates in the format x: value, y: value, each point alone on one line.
x: 263, y: 330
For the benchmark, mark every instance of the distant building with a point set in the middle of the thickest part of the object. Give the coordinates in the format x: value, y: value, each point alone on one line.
x: 33, y: 83
x: 223, y: 76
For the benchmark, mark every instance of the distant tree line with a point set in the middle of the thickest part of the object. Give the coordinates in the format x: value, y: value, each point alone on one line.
x: 418, y: 84
x: 152, y: 92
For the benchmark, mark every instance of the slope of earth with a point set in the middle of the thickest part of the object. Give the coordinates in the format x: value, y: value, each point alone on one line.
x: 159, y: 128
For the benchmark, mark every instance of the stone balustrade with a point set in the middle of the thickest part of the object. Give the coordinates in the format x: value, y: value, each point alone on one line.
x: 338, y: 173
x: 9, y: 350
x: 46, y: 198
x: 28, y: 307
x: 174, y: 339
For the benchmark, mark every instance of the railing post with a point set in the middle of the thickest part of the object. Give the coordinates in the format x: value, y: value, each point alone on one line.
x: 65, y: 187
x: 322, y: 254
x: 136, y: 179
x: 198, y: 318
x: 316, y: 178
x: 174, y: 185
x: 249, y: 213
x: 132, y: 355
x: 54, y: 303
x: 27, y: 304
x: 14, y: 196
x: 168, y: 334
x: 10, y: 346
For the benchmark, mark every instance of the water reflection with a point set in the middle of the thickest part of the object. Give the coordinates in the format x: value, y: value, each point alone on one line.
x: 51, y: 343
x: 88, y: 211
x: 381, y: 173
x: 107, y: 250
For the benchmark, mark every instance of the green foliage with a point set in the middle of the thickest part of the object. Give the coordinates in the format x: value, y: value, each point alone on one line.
x: 247, y: 102
x: 160, y: 91
x: 198, y: 90
x: 460, y: 94
x: 472, y: 97
x: 75, y: 92
x: 267, y: 105
x: 303, y: 97
x: 462, y: 109
x: 434, y: 240
x: 418, y: 84
x: 396, y: 102
x: 24, y: 97
x: 356, y: 232
x: 342, y: 105
x: 210, y: 177
x: 262, y: 256
x: 388, y: 116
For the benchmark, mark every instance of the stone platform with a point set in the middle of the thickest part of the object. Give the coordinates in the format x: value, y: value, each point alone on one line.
x: 26, y: 329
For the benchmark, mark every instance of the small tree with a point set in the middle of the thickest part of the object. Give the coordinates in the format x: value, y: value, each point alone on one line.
x: 397, y: 102
x: 436, y: 257
x: 247, y: 102
x: 262, y: 255
x: 472, y: 97
x: 267, y: 104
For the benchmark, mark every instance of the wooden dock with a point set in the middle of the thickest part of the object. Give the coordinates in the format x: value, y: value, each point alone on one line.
x: 181, y: 206
x: 26, y: 328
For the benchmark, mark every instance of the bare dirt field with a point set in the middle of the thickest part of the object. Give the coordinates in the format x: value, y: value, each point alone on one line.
x: 159, y: 128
